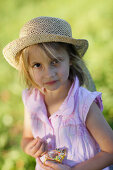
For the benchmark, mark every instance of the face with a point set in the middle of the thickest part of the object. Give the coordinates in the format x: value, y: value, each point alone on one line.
x: 46, y: 72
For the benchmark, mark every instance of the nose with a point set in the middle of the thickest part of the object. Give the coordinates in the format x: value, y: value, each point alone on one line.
x: 50, y: 72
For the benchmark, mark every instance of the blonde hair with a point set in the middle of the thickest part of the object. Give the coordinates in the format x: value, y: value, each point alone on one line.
x: 75, y: 69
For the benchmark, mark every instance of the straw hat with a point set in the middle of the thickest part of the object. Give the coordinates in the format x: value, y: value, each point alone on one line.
x: 43, y: 29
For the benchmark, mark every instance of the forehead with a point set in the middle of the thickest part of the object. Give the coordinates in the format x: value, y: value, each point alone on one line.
x: 36, y: 53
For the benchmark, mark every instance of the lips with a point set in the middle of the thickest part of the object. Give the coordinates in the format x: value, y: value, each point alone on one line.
x: 51, y: 82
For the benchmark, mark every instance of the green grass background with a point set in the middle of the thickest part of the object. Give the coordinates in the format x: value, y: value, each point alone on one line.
x: 92, y: 20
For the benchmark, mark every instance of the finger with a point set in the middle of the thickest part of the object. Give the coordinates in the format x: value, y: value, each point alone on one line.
x: 41, y: 150
x: 43, y: 153
x: 45, y: 150
x: 33, y: 143
x: 42, y: 165
x: 53, y: 164
x: 36, y: 147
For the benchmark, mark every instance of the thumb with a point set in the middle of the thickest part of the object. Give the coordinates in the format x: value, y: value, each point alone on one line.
x: 51, y: 164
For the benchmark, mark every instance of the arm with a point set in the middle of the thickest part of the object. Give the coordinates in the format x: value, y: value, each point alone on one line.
x: 33, y: 147
x: 103, y: 134
x: 27, y: 133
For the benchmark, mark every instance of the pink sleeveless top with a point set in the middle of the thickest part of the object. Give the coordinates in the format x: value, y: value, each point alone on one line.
x: 65, y: 128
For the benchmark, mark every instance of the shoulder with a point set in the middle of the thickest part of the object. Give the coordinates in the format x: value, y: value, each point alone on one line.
x: 85, y: 92
x: 87, y: 97
x: 25, y: 94
x: 29, y: 95
x: 93, y: 113
x: 85, y: 100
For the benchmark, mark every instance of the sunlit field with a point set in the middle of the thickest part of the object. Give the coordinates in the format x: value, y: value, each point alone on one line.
x: 91, y: 20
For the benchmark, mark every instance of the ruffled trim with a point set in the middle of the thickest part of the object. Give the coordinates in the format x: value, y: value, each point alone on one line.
x: 87, y: 99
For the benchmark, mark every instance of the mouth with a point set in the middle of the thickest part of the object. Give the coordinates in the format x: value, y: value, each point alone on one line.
x: 51, y: 82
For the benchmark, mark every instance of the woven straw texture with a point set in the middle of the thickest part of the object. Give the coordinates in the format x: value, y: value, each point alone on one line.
x: 43, y: 29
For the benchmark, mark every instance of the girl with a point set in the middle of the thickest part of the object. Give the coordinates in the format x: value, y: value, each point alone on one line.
x: 59, y: 111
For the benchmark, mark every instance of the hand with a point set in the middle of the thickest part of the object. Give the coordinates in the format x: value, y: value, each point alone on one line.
x: 50, y: 165
x: 37, y: 147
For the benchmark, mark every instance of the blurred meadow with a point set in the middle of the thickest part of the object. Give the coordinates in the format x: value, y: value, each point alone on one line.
x: 91, y: 20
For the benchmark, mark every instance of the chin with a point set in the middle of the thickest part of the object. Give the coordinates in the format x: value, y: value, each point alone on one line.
x: 52, y: 88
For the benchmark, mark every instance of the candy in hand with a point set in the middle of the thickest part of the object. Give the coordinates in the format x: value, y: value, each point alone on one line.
x: 54, y: 155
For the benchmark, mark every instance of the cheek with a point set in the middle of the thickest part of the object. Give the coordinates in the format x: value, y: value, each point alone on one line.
x: 39, y: 80
x: 64, y: 70
x: 36, y: 77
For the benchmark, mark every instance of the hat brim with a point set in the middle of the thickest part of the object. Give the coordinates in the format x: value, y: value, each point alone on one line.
x: 11, y: 50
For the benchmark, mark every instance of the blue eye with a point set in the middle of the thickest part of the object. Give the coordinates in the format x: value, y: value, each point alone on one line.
x: 37, y: 65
